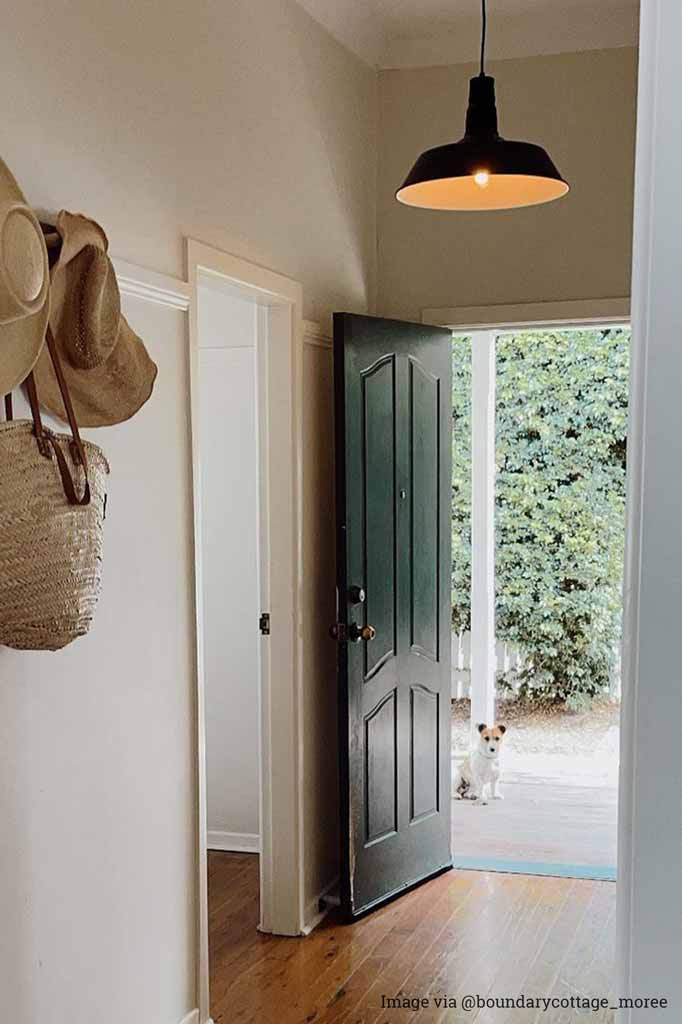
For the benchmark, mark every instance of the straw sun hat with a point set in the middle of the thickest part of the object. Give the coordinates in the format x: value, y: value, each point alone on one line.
x: 107, y: 368
x: 24, y: 285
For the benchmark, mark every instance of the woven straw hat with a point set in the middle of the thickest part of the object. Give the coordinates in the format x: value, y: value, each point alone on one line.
x: 24, y: 285
x: 107, y: 368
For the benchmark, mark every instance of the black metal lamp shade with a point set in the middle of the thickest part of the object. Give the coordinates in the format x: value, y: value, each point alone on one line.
x: 482, y: 171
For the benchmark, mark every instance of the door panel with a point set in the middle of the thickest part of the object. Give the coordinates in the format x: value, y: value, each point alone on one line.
x: 393, y: 423
x: 424, y: 736
x: 424, y: 502
x: 381, y: 769
x: 379, y: 529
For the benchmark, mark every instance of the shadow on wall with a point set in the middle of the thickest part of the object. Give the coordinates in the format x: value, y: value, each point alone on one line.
x: 335, y: 100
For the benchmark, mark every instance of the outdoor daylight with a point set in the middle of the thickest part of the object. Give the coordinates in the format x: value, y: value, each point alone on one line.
x: 561, y: 406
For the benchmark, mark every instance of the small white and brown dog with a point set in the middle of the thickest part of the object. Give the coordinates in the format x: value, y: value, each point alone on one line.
x: 478, y: 777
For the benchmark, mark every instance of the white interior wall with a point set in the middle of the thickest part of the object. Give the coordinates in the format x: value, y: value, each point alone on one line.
x: 649, y: 894
x: 244, y: 125
x: 97, y: 844
x: 230, y: 576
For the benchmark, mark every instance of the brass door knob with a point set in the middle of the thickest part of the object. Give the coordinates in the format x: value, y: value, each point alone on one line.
x: 352, y: 633
x: 360, y: 633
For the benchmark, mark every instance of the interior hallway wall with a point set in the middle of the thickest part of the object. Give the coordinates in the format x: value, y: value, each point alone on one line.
x: 581, y: 108
x: 242, y: 124
x: 97, y: 835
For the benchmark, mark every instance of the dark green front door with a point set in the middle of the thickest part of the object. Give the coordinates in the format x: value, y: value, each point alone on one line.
x: 393, y: 443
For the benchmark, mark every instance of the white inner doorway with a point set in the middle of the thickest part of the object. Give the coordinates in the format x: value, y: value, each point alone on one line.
x: 228, y: 444
x: 245, y: 369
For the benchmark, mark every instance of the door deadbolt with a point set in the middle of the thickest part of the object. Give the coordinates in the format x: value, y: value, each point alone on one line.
x: 356, y: 595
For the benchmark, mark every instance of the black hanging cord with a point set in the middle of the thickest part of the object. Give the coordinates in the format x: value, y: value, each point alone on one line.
x: 484, y: 21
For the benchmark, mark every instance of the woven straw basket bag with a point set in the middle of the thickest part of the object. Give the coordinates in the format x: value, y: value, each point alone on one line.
x: 52, y: 502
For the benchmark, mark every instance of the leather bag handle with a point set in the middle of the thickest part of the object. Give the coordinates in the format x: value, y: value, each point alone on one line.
x: 46, y: 440
x: 68, y: 405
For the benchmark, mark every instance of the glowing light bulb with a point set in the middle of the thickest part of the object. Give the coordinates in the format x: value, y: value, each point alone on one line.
x: 481, y: 178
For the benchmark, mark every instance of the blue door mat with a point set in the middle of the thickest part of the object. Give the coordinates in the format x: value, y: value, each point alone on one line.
x: 522, y: 867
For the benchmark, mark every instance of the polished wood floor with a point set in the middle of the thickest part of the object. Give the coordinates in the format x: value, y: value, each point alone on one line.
x: 464, y: 933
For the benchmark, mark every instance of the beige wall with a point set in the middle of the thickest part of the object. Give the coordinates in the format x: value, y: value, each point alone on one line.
x: 244, y: 125
x: 97, y: 833
x: 581, y: 107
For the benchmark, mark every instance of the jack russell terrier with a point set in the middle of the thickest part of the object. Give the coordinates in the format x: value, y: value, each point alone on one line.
x: 477, y: 778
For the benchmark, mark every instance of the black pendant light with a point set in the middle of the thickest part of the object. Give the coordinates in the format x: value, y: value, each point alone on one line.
x: 482, y: 171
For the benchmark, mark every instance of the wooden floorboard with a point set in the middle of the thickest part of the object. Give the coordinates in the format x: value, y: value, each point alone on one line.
x: 463, y: 933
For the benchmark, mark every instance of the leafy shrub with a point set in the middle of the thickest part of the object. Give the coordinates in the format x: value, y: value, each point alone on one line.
x: 461, y: 484
x: 560, y: 502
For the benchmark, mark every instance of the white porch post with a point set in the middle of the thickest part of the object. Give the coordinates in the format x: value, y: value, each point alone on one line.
x: 482, y: 528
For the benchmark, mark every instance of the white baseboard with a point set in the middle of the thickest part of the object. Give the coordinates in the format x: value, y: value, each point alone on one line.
x: 233, y: 842
x: 313, y: 914
x: 193, y: 1018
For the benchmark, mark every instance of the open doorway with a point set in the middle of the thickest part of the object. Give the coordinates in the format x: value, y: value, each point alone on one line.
x: 245, y: 359
x: 234, y: 560
x: 229, y: 392
x: 540, y: 419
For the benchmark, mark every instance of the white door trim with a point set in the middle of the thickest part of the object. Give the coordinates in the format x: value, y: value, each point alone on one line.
x: 482, y: 529
x: 233, y: 842
x: 531, y: 314
x: 643, y: 242
x: 280, y: 747
x: 151, y: 286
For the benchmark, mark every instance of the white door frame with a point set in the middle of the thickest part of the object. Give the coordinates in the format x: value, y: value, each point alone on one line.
x: 281, y: 865
x: 483, y: 385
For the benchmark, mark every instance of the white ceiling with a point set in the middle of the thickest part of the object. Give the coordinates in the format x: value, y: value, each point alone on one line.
x: 415, y: 33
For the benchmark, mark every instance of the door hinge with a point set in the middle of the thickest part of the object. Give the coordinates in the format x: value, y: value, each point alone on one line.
x: 264, y: 623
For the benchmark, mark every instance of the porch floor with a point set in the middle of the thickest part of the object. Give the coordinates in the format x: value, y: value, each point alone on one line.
x: 559, y: 780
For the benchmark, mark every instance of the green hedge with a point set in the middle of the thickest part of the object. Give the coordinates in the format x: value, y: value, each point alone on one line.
x: 560, y: 502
